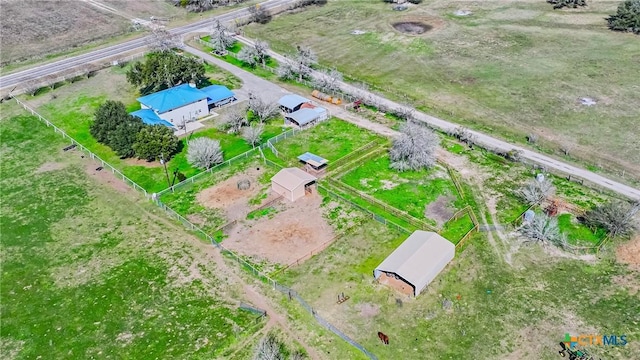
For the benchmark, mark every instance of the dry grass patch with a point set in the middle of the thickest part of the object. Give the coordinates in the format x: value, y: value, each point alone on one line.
x: 36, y: 28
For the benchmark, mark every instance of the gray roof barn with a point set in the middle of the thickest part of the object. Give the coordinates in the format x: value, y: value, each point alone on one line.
x: 419, y: 259
x: 291, y: 101
x: 305, y: 116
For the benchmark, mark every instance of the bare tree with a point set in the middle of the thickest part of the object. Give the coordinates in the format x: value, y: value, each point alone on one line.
x: 534, y: 192
x: 51, y: 81
x: 543, y: 229
x: 259, y: 14
x: 261, y: 108
x: 328, y: 81
x: 248, y: 55
x: 617, y: 217
x: 297, y: 356
x: 406, y: 112
x: 285, y: 71
x: 204, y: 152
x: 269, y: 348
x: 253, y: 134
x: 90, y: 70
x: 235, y: 119
x: 220, y: 37
x: 31, y: 87
x: 163, y: 40
x: 302, y: 62
x: 464, y: 135
x: 262, y: 51
x: 414, y: 149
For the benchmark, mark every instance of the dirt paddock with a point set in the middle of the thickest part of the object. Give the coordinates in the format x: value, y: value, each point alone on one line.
x: 226, y: 195
x: 293, y: 232
x: 629, y: 253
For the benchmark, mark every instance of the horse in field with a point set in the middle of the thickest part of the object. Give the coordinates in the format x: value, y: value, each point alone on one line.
x: 384, y: 338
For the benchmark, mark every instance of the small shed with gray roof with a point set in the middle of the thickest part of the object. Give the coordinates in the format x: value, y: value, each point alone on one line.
x: 292, y: 102
x: 416, y: 262
x: 292, y: 183
x: 306, y: 116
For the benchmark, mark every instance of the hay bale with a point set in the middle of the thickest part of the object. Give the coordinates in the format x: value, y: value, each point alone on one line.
x: 244, y: 184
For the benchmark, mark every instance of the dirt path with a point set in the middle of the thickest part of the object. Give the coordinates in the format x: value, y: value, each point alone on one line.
x: 262, y: 302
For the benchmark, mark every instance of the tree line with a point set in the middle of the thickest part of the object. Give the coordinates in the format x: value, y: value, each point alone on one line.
x: 626, y: 19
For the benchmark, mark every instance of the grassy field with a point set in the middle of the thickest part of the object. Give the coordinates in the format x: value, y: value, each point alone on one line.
x: 331, y: 139
x: 89, y: 271
x: 410, y: 191
x: 71, y: 108
x: 257, y: 70
x: 52, y: 29
x: 509, y: 69
x: 578, y: 233
x: 497, y: 311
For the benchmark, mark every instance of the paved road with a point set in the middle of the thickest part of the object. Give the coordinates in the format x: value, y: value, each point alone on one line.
x: 7, y: 82
x: 12, y: 80
x: 488, y: 141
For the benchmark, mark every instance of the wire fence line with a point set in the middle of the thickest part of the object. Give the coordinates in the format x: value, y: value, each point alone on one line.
x: 210, y: 170
x: 386, y: 207
x: 93, y: 156
x: 264, y: 277
x: 373, y: 215
x: 274, y: 70
x: 258, y: 149
x: 89, y: 68
x: 345, y: 160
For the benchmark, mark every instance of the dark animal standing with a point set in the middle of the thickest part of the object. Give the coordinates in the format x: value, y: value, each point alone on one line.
x: 384, y: 338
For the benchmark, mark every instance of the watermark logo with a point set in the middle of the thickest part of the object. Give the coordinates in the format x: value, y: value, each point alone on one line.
x: 572, y: 342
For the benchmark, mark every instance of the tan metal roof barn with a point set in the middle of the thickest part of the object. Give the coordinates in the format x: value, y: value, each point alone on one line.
x: 291, y: 183
x: 416, y: 262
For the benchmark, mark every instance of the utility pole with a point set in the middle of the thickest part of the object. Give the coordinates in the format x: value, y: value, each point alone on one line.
x: 164, y: 164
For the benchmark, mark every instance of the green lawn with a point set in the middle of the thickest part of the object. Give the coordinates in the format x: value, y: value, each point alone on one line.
x: 231, y: 59
x: 577, y: 232
x: 410, y: 191
x: 74, y: 114
x: 89, y: 272
x: 454, y: 230
x: 331, y: 139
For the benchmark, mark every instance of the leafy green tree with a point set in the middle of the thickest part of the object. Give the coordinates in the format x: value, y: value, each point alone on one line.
x: 106, y: 119
x: 627, y: 18
x: 559, y: 4
x: 163, y: 70
x: 121, y: 140
x: 155, y: 142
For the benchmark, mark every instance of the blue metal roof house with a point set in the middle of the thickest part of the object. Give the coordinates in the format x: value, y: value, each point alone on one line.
x: 180, y: 104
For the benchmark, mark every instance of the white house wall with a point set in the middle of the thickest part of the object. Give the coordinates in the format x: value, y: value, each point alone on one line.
x: 194, y: 110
